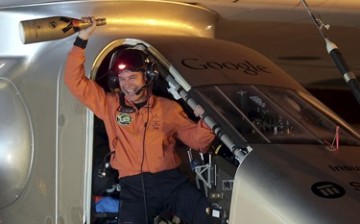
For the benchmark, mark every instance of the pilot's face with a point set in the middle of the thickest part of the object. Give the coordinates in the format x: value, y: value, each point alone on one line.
x: 130, y: 82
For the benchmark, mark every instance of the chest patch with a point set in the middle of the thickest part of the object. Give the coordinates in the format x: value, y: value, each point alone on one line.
x: 123, y: 118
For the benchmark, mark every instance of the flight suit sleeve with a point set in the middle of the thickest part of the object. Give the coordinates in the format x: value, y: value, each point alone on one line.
x: 197, y: 136
x: 84, y: 89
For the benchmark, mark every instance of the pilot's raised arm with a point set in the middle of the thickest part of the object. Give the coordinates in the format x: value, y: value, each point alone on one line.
x: 83, y: 88
x: 142, y: 130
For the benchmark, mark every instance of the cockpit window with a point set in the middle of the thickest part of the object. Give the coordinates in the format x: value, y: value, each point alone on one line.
x: 275, y: 115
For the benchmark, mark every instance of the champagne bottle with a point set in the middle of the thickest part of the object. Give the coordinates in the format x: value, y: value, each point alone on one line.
x: 52, y: 28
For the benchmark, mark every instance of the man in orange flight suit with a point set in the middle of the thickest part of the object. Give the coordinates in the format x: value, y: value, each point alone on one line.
x: 142, y: 139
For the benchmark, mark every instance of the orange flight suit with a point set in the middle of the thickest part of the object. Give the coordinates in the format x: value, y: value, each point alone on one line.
x: 143, y: 141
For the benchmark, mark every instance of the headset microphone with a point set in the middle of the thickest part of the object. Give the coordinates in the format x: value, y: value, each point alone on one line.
x: 144, y: 86
x: 141, y: 89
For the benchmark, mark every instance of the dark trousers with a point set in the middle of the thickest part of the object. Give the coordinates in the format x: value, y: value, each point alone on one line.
x: 167, y: 190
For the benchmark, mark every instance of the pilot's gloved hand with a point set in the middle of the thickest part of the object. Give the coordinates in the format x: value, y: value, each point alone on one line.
x: 86, y: 33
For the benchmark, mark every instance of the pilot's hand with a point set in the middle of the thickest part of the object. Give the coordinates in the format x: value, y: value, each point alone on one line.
x: 199, y: 111
x: 86, y: 33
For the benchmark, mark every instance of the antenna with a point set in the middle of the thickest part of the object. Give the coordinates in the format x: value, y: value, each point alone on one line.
x: 336, y: 56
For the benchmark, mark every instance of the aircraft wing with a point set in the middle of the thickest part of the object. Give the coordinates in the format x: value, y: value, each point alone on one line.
x: 283, y: 31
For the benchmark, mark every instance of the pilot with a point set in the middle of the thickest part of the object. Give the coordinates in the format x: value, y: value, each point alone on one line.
x: 142, y: 129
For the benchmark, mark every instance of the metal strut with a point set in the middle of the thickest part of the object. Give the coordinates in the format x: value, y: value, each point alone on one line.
x: 336, y: 56
x: 240, y: 152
